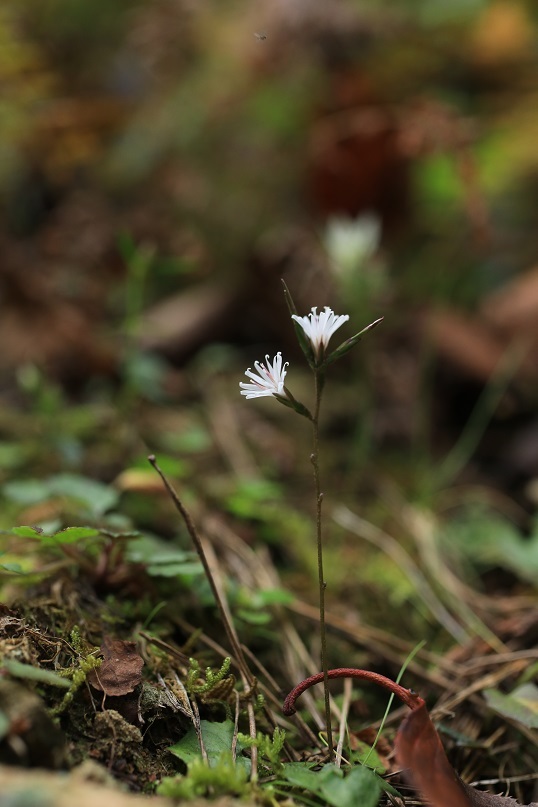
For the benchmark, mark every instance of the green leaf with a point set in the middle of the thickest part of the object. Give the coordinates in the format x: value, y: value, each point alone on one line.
x: 218, y: 739
x: 29, y: 532
x: 69, y: 535
x: 19, y: 670
x: 274, y: 596
x: 491, y: 539
x: 300, y: 774
x: 72, y: 534
x: 254, y: 617
x: 360, y: 786
x: 302, y: 338
x: 29, y: 491
x: 95, y: 495
x: 175, y: 569
x: 292, y: 403
x: 121, y: 534
x: 12, y: 568
x: 162, y: 560
x: 520, y: 705
x: 288, y: 298
x: 364, y: 754
x: 349, y: 343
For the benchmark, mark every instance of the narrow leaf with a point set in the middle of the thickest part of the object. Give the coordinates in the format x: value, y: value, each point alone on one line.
x: 304, y: 342
x: 289, y: 401
x: 288, y: 298
x: 26, y: 671
x: 349, y: 343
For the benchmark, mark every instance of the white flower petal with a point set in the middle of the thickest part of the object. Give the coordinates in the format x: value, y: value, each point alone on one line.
x: 267, y: 380
x: 320, y: 327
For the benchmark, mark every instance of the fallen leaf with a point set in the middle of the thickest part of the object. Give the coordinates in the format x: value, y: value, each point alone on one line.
x: 418, y: 746
x: 121, y: 670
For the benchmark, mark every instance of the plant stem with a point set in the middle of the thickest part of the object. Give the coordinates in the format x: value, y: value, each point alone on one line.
x: 249, y: 682
x: 319, y: 379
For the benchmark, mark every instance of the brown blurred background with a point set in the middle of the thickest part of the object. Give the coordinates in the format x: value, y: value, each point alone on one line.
x: 164, y: 164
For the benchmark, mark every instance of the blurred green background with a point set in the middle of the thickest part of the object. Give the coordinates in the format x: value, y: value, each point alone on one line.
x: 163, y: 165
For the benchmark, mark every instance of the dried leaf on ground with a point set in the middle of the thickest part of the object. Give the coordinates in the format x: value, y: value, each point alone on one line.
x: 121, y: 670
x: 419, y: 748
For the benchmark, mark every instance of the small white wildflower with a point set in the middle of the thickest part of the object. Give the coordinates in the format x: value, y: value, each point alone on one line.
x: 351, y: 243
x: 269, y: 379
x: 320, y: 327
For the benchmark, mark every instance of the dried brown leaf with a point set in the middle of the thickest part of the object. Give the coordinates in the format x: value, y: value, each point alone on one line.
x: 419, y: 748
x: 121, y: 670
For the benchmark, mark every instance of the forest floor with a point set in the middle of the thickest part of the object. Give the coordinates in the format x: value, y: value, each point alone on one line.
x: 116, y: 662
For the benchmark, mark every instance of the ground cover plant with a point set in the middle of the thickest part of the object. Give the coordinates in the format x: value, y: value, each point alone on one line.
x: 321, y: 591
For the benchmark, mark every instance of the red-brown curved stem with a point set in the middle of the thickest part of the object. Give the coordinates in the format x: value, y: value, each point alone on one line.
x: 409, y: 697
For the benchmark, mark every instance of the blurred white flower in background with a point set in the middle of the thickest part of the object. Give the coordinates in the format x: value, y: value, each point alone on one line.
x: 350, y: 243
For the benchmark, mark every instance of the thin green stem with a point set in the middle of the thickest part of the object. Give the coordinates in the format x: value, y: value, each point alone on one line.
x: 319, y: 379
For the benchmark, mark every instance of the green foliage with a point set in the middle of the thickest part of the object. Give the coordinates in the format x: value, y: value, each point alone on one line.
x: 252, y: 496
x: 487, y: 539
x: 76, y: 639
x: 30, y: 673
x: 359, y: 786
x: 520, y: 705
x: 11, y: 568
x: 94, y: 497
x: 263, y: 501
x: 69, y: 535
x: 365, y: 754
x: 346, y: 346
x: 162, y: 560
x: 254, y: 607
x: 78, y: 677
x: 221, y: 778
x: 270, y: 748
x: 217, y: 738
x: 213, y: 686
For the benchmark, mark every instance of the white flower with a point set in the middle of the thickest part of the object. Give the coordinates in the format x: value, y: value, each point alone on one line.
x: 351, y: 243
x: 320, y: 327
x: 269, y: 379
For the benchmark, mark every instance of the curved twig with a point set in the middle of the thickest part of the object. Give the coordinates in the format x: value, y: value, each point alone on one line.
x: 410, y: 698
